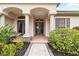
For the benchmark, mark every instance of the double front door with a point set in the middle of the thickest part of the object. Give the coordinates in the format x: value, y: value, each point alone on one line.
x: 39, y: 27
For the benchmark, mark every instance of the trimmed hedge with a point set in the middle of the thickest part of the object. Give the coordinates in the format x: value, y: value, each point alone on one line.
x: 65, y: 40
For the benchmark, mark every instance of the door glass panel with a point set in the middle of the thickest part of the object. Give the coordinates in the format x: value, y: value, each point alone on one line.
x: 21, y: 26
x: 39, y: 27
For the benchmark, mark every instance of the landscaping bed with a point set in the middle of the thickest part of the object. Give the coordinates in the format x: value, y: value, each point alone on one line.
x: 64, y: 42
x: 11, y: 43
x: 22, y: 51
x: 55, y: 52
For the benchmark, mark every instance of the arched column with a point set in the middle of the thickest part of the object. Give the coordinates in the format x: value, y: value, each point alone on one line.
x: 46, y: 27
x: 52, y: 22
x: 32, y: 33
x: 27, y: 30
x: 2, y: 20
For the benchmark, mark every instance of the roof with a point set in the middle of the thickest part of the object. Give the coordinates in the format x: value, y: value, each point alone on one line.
x: 68, y: 7
x: 67, y: 13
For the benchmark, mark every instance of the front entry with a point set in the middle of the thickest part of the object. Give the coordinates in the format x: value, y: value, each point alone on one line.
x: 39, y: 27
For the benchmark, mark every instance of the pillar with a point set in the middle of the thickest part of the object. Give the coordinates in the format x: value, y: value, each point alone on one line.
x: 52, y: 22
x: 27, y: 30
x: 46, y: 27
x: 2, y: 20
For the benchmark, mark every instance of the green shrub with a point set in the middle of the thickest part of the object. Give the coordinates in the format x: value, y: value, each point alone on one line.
x: 6, y: 33
x: 8, y: 50
x: 1, y: 46
x: 19, y: 44
x: 65, y: 40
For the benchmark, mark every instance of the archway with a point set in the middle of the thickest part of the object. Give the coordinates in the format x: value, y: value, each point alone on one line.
x: 16, y: 14
x: 13, y: 12
x: 39, y: 14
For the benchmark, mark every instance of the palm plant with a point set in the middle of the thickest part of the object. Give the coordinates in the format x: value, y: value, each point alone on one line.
x: 6, y: 32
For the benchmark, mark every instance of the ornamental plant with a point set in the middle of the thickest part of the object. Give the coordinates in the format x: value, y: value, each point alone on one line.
x: 19, y: 44
x: 6, y: 32
x: 65, y: 40
x: 8, y: 50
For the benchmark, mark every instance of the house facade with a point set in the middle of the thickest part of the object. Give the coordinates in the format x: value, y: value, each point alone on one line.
x: 32, y: 19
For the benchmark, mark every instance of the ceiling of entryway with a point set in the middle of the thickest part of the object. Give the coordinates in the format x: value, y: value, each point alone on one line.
x: 39, y: 12
x: 13, y: 11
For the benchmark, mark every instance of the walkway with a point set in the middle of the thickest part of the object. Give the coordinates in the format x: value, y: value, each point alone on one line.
x: 38, y: 48
x: 39, y: 39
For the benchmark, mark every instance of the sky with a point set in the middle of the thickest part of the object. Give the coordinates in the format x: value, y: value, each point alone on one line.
x: 68, y: 7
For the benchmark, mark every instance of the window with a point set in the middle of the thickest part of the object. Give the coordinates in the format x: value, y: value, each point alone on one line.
x: 21, y: 26
x: 62, y: 23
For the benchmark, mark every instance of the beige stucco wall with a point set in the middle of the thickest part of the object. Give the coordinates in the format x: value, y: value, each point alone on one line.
x: 74, y: 21
x: 11, y: 22
x: 26, y: 7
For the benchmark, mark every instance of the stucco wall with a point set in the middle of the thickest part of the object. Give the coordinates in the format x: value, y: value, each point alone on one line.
x: 26, y: 7
x: 74, y: 21
x: 11, y: 22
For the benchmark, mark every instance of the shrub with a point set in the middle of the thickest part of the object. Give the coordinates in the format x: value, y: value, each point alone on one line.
x: 19, y: 44
x: 65, y: 40
x: 76, y: 27
x: 6, y: 33
x: 1, y: 46
x: 8, y: 50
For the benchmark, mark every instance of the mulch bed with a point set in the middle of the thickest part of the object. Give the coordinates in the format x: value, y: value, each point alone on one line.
x: 22, y: 51
x: 55, y: 52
